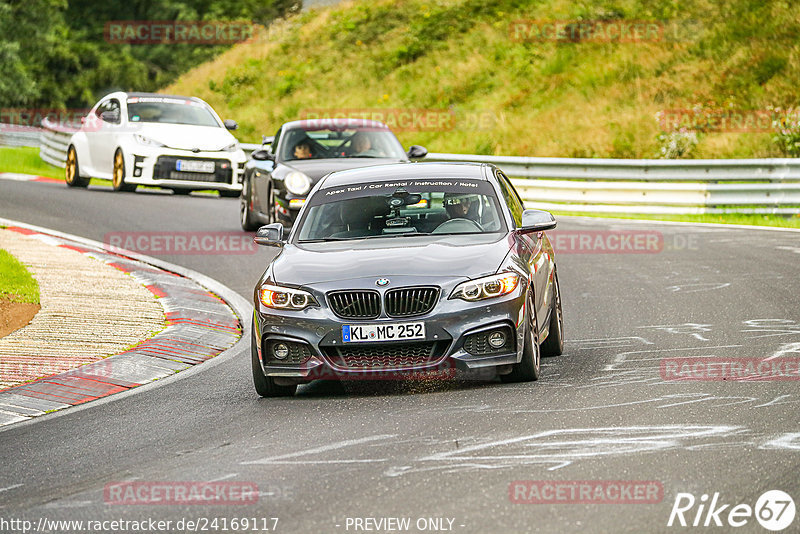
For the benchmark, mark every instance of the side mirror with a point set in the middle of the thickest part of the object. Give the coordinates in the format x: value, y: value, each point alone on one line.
x: 416, y: 152
x: 230, y: 124
x: 270, y: 235
x: 262, y: 155
x: 537, y: 221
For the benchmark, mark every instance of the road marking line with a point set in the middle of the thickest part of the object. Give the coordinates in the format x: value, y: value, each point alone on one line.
x: 10, y: 487
x: 323, y: 448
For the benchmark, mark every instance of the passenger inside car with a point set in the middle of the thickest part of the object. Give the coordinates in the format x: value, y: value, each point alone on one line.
x: 362, y: 146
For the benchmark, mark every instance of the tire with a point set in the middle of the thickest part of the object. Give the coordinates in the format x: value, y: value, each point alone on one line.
x: 554, y: 344
x: 229, y: 194
x: 118, y: 175
x: 72, y: 170
x: 528, y: 369
x: 265, y: 385
x: 245, y: 215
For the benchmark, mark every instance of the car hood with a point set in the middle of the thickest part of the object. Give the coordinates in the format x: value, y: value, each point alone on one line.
x: 465, y: 256
x: 317, y: 168
x: 186, y: 137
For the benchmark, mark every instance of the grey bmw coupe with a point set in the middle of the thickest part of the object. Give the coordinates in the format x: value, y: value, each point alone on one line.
x: 407, y: 270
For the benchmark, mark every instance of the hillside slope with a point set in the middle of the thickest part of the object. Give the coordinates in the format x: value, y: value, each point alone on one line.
x: 510, y: 95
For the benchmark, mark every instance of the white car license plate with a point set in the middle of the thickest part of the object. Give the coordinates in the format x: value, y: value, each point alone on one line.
x: 194, y: 166
x: 382, y: 332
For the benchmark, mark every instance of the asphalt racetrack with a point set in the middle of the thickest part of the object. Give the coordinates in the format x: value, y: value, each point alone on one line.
x: 450, y: 453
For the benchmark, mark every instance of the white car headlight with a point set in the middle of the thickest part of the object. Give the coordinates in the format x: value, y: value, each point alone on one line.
x: 285, y: 298
x: 297, y: 183
x: 233, y: 147
x: 487, y: 287
x: 146, y: 141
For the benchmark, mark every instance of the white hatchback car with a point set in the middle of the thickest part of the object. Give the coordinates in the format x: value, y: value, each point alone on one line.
x: 175, y: 142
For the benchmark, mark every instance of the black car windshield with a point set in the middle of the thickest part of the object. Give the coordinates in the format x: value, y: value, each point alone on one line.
x: 404, y: 209
x: 170, y: 110
x: 322, y: 143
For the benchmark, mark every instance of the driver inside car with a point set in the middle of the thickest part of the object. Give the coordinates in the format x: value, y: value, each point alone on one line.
x: 461, y: 206
x: 302, y: 150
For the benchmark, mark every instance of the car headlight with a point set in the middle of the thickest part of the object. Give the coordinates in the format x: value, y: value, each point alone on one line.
x: 142, y: 140
x: 285, y: 298
x: 233, y: 147
x: 297, y: 183
x: 487, y: 287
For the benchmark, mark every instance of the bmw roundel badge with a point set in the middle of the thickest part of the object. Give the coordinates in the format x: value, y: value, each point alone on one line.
x: 382, y: 281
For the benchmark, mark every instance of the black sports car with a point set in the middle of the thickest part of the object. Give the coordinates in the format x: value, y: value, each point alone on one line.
x: 400, y: 270
x: 278, y: 177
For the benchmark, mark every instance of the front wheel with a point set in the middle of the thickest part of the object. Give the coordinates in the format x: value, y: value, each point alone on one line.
x: 245, y: 215
x: 72, y: 170
x: 118, y: 176
x: 265, y: 385
x: 527, y: 370
x: 554, y: 344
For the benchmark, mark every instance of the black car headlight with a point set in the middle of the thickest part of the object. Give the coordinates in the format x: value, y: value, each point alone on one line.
x: 487, y: 287
x: 285, y: 298
x: 297, y: 183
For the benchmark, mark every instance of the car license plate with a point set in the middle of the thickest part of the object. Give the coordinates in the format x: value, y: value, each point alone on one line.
x: 374, y: 333
x: 194, y: 166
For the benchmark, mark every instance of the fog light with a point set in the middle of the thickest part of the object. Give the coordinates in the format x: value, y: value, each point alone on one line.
x: 280, y: 351
x: 497, y: 339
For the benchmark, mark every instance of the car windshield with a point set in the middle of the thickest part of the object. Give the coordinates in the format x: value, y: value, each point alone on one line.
x: 406, y: 208
x: 363, y: 142
x: 171, y: 111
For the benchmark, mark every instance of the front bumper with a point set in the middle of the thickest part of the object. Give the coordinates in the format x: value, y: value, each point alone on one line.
x: 156, y: 166
x: 447, y: 326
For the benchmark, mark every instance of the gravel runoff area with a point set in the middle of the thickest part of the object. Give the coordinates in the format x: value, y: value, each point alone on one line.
x: 107, y: 323
x: 90, y: 310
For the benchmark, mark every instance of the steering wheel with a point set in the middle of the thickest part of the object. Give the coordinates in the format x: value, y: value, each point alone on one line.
x: 458, y: 226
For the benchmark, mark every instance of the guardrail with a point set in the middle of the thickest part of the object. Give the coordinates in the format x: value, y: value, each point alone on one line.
x: 651, y: 185
x: 15, y: 135
x: 657, y: 186
x: 55, y: 141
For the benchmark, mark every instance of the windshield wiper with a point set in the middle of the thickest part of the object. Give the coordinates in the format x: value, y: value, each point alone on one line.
x: 324, y: 239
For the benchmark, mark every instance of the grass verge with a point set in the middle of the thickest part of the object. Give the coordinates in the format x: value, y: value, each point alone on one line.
x: 26, y: 160
x: 16, y: 283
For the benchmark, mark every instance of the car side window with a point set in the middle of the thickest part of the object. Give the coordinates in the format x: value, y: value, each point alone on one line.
x: 275, y: 141
x: 114, y: 110
x: 512, y: 199
x: 100, y: 109
x: 111, y: 110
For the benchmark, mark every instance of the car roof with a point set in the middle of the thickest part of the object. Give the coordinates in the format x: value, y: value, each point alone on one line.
x: 337, y: 122
x: 409, y: 171
x: 159, y: 95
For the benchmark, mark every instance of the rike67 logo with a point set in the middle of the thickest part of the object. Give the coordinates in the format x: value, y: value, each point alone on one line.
x: 774, y: 510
